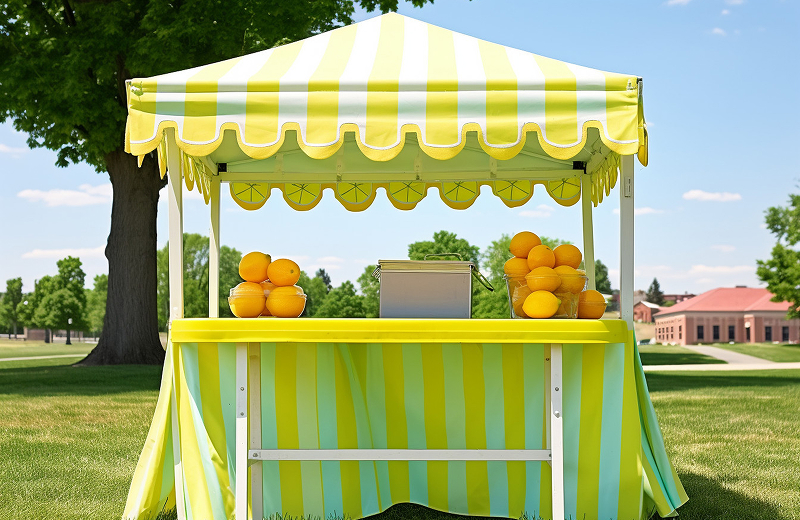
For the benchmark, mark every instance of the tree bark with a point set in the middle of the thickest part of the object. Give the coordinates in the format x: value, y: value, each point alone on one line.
x: 130, y: 327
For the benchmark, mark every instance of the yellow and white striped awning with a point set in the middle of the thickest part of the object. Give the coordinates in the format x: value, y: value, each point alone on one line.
x: 387, y: 82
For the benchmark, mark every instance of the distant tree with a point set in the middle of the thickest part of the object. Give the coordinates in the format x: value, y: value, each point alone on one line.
x: 96, y: 304
x: 781, y: 273
x: 654, y: 293
x: 493, y: 304
x: 63, y: 305
x: 316, y: 293
x: 195, y: 278
x: 370, y: 290
x: 325, y: 277
x: 601, y: 280
x: 444, y: 242
x: 342, y: 302
x: 11, y: 299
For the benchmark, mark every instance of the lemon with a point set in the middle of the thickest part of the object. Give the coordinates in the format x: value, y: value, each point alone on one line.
x: 541, y: 304
x: 522, y: 243
x: 572, y: 280
x: 543, y: 278
x: 253, y: 267
x: 591, y: 305
x: 516, y: 267
x: 567, y: 254
x: 541, y: 255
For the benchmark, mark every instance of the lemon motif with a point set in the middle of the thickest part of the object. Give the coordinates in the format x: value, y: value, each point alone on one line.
x: 565, y: 191
x: 355, y: 196
x: 459, y: 194
x: 249, y: 195
x: 301, y: 195
x: 406, y: 195
x: 513, y: 193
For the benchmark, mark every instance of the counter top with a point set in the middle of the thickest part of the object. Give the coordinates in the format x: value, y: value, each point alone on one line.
x: 382, y: 330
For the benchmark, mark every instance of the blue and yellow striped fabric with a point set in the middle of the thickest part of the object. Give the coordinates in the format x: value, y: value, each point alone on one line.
x: 411, y: 395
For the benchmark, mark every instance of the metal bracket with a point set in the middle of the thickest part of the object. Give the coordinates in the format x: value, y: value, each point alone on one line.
x: 627, y: 188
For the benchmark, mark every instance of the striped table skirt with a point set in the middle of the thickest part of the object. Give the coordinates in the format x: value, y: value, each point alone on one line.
x: 319, y: 395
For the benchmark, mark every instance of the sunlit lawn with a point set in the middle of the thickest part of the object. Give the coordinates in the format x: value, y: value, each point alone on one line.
x: 782, y: 353
x: 70, y: 438
x: 16, y: 348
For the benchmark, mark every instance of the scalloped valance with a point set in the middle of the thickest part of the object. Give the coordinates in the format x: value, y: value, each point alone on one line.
x: 381, y: 83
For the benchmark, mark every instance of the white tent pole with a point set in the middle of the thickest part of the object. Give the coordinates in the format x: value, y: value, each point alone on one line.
x: 175, y: 208
x: 213, y: 251
x: 588, y: 228
x: 626, y: 241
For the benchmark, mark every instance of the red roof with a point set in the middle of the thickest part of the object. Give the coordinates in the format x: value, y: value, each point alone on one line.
x: 736, y: 299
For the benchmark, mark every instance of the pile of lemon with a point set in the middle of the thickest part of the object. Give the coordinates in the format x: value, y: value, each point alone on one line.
x: 546, y: 283
x: 269, y: 288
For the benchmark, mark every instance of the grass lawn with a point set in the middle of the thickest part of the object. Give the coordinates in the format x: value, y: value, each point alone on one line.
x: 673, y: 355
x: 70, y: 439
x: 782, y: 353
x: 732, y: 437
x: 10, y: 348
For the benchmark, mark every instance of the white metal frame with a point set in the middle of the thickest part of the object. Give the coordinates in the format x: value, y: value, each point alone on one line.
x: 248, y: 379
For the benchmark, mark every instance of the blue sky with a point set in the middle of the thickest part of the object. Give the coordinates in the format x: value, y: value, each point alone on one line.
x: 720, y: 80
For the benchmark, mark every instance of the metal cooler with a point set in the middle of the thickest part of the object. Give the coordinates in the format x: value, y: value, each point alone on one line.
x: 426, y: 288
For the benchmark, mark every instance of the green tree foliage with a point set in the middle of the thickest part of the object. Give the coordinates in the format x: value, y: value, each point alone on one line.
x: 96, y: 303
x: 195, y: 278
x: 316, y: 290
x: 781, y: 273
x: 601, y: 281
x: 342, y: 302
x: 444, y: 242
x: 654, y: 293
x: 8, y: 309
x: 371, y: 291
x: 62, y: 298
x: 63, y: 67
x: 493, y: 304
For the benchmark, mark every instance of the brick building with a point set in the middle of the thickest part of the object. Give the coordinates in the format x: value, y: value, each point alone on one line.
x: 738, y: 314
x: 643, y: 311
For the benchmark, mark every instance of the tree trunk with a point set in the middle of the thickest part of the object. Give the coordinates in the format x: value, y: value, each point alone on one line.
x: 130, y: 327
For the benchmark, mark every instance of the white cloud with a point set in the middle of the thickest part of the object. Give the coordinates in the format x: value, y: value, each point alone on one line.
x: 8, y: 149
x: 717, y: 31
x: 95, y: 252
x: 725, y: 12
x: 723, y: 248
x: 541, y: 211
x: 719, y: 196
x: 720, y: 269
x: 678, y: 2
x: 86, y: 195
x: 641, y: 211
x: 734, y: 2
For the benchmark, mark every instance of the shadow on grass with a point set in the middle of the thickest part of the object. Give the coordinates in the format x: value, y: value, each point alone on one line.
x: 679, y: 358
x: 708, y: 500
x: 671, y: 381
x: 86, y: 381
x: 407, y: 511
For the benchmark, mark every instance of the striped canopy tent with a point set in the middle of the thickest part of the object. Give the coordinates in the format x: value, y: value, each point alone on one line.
x: 391, y: 103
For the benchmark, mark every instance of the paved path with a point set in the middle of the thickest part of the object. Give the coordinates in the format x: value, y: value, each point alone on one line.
x: 734, y: 358
x: 723, y: 367
x: 29, y: 358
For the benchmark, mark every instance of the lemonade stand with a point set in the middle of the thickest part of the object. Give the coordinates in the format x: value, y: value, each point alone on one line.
x: 337, y: 417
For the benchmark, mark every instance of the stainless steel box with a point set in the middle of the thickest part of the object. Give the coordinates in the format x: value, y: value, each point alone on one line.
x: 425, y: 289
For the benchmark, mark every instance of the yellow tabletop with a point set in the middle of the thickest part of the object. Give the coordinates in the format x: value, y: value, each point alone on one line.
x: 335, y: 330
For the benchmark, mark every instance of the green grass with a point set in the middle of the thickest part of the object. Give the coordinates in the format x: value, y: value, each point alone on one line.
x: 17, y: 348
x: 70, y: 439
x: 781, y: 353
x: 732, y: 437
x: 673, y: 355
